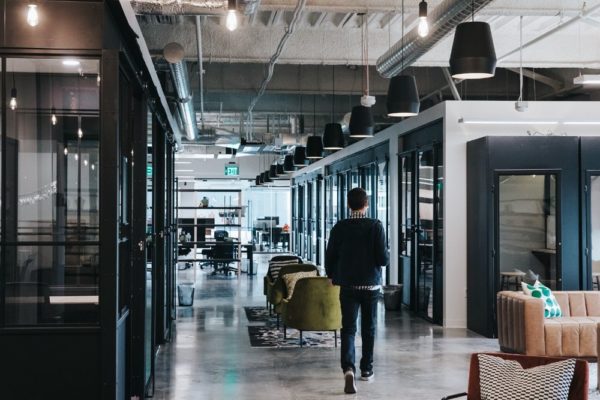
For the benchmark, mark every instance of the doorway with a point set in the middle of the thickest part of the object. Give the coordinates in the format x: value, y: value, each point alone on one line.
x: 421, y: 231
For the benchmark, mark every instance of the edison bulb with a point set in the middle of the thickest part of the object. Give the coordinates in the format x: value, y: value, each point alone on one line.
x: 76, y: 157
x: 79, y: 133
x: 53, y: 119
x: 423, y: 28
x: 32, y: 15
x: 93, y: 167
x: 13, y: 103
x: 232, y: 21
x: 85, y: 162
x: 66, y: 151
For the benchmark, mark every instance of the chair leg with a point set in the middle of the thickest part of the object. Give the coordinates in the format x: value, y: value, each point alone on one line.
x: 335, y: 338
x: 284, y: 332
x: 300, y: 338
x: 277, y: 321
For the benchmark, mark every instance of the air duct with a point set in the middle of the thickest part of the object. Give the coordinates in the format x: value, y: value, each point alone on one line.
x: 174, y: 54
x: 444, y: 19
x: 191, y: 7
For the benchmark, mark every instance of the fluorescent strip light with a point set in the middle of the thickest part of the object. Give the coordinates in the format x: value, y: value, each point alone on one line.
x: 186, y: 177
x: 194, y: 155
x: 71, y: 63
x: 183, y: 162
x: 184, y: 170
x: 224, y: 156
x: 582, y: 123
x: 587, y: 80
x: 498, y: 122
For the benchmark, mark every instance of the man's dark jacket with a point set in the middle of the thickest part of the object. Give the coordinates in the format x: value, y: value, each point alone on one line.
x: 356, y: 251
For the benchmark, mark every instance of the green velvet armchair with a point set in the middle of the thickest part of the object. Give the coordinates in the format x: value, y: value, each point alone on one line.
x: 277, y: 290
x: 314, y: 306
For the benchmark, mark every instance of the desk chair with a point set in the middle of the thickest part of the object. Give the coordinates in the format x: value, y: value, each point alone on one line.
x: 223, y: 255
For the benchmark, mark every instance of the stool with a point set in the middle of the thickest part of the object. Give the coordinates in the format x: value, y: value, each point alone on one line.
x: 506, y: 277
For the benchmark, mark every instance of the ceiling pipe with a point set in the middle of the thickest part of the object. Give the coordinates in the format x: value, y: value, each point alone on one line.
x: 191, y: 7
x: 174, y: 54
x: 444, y: 19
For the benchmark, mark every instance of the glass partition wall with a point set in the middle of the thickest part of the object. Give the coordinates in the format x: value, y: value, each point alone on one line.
x: 50, y: 199
x: 594, y: 211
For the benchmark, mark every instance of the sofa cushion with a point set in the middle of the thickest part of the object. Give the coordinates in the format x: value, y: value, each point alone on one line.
x: 551, y: 307
x: 291, y: 279
x: 506, y: 379
x: 571, y: 336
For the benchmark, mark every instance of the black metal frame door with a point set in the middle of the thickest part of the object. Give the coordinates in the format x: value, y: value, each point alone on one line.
x: 406, y: 166
x: 591, y: 176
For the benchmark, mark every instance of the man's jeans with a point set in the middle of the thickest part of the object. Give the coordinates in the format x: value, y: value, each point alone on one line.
x: 351, y: 300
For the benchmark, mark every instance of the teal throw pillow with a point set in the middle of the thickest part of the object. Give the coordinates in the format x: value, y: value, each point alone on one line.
x: 539, y: 291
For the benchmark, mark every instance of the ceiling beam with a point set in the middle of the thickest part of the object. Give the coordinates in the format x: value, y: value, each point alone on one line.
x: 553, y: 83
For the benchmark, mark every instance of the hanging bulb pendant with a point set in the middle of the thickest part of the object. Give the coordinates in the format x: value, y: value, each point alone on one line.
x: 79, y: 133
x: 33, y: 18
x: 53, y: 118
x: 231, y: 21
x: 423, y: 28
x: 13, y: 99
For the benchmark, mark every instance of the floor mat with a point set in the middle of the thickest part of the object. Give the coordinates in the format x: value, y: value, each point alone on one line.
x: 266, y: 336
x: 259, y: 314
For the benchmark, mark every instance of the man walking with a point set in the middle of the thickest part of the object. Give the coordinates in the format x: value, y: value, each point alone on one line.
x: 356, y: 251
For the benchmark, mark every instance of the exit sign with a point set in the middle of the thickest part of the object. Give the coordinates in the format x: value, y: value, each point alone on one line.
x: 232, y: 170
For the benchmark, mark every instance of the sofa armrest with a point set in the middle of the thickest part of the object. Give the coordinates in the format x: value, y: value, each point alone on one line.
x: 521, y: 323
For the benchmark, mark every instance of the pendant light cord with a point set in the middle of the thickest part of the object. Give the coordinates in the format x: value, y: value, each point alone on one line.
x: 520, y: 59
x: 314, y: 114
x: 333, y: 93
x: 472, y: 10
x: 402, y: 55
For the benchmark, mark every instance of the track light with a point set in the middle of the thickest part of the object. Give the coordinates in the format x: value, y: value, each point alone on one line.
x: 32, y: 15
x: 232, y: 20
x: 423, y: 28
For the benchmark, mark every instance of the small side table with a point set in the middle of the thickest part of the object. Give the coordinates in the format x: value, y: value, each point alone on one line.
x: 507, y: 277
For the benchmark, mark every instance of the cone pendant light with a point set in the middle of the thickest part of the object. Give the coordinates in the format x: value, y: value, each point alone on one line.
x: 300, y: 156
x: 288, y: 163
x: 314, y: 144
x: 473, y: 55
x: 403, y: 96
x: 333, y: 137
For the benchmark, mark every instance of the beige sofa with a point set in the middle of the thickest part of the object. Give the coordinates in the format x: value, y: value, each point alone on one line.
x: 522, y: 327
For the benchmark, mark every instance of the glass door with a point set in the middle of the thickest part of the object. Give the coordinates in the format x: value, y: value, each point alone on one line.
x: 421, y: 230
x: 527, y: 240
x: 593, y: 246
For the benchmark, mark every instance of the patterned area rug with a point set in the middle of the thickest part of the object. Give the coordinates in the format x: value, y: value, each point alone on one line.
x: 266, y: 336
x: 259, y: 314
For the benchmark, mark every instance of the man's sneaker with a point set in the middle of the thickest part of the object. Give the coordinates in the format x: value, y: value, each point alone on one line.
x: 349, y: 384
x: 366, y: 375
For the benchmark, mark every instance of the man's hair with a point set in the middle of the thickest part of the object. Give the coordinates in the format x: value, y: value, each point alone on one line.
x: 357, y: 199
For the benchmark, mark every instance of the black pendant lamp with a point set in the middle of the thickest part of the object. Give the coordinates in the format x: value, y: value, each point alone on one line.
x: 333, y: 137
x: 300, y: 156
x: 266, y: 178
x: 403, y: 96
x: 280, y: 170
x: 273, y: 171
x: 314, y: 148
x: 362, y: 124
x: 288, y: 163
x: 258, y: 181
x: 473, y: 55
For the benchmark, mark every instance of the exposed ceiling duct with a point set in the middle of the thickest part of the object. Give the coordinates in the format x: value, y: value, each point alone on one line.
x: 191, y: 7
x: 174, y: 54
x: 444, y: 19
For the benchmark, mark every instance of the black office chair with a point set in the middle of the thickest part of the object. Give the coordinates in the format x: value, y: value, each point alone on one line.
x: 223, y: 255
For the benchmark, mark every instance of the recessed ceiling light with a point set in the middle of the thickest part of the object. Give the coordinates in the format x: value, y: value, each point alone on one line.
x: 71, y: 63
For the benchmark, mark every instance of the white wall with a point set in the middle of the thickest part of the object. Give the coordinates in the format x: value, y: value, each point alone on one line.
x: 456, y: 136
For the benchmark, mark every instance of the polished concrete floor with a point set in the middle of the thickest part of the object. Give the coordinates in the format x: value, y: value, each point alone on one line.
x: 211, y: 358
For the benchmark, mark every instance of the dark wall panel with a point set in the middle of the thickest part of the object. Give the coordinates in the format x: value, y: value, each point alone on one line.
x: 39, y: 366
x: 83, y: 31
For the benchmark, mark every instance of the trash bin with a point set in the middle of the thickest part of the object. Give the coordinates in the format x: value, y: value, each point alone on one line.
x: 392, y: 297
x: 185, y: 293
